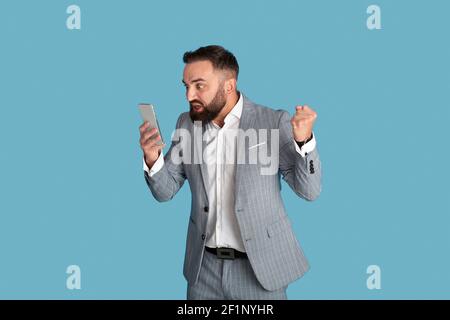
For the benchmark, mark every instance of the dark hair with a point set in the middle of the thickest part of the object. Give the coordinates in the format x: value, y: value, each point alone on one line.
x: 220, y: 58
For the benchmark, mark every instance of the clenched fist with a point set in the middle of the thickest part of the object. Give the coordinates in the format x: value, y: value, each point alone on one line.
x: 303, y: 122
x: 149, y: 144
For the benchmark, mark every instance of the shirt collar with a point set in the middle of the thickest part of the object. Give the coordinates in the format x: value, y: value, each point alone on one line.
x: 237, y: 109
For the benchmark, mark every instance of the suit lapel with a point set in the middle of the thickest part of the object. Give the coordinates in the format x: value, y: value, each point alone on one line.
x: 198, y: 141
x: 245, y: 123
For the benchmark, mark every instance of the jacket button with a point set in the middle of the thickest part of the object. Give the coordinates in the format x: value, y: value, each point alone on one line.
x: 206, y: 208
x: 203, y: 237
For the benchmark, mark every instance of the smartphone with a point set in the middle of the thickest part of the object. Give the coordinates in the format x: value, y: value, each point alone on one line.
x: 148, y: 114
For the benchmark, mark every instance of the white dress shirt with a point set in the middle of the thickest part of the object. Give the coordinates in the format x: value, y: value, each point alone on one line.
x: 222, y: 227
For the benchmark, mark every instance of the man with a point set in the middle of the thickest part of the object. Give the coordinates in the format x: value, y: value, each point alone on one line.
x: 240, y: 243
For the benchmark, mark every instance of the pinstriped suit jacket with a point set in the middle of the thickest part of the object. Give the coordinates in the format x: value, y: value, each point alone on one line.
x: 272, y: 248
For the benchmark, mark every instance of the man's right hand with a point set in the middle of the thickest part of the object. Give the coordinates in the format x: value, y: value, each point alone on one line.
x: 149, y: 144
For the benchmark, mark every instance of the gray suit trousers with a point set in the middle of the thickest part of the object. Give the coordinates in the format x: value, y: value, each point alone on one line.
x: 222, y: 279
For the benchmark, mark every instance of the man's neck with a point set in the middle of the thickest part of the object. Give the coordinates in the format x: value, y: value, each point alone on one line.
x: 220, y: 118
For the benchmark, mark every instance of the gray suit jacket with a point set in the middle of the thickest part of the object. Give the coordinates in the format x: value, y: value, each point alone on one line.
x: 273, y: 251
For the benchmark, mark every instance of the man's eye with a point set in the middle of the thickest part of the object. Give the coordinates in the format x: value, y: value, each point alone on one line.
x: 200, y: 86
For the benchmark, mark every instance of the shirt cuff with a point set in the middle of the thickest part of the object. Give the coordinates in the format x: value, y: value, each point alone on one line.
x: 156, y: 166
x: 307, y: 147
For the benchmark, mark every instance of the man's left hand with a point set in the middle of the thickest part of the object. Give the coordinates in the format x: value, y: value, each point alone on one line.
x: 302, y: 122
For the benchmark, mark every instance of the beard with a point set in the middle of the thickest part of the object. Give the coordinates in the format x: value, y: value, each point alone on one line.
x: 209, y: 111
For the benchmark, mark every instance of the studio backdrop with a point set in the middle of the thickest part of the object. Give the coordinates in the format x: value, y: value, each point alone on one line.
x: 77, y: 220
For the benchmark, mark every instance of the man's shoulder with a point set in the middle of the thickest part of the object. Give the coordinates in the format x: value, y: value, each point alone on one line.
x: 265, y: 112
x: 184, y: 120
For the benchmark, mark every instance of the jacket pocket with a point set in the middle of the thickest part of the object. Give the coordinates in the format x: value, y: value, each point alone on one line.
x: 279, y: 226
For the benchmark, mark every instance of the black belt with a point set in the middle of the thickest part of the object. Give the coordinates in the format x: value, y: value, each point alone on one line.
x: 227, y: 253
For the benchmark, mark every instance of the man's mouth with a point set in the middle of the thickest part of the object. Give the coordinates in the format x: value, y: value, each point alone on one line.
x: 197, y: 107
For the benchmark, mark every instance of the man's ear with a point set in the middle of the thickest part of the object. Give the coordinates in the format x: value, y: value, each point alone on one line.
x: 230, y: 85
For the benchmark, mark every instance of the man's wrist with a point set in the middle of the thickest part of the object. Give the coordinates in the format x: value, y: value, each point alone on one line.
x: 149, y: 165
x: 302, y: 143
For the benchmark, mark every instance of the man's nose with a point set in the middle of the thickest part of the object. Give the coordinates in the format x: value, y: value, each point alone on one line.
x: 191, y: 95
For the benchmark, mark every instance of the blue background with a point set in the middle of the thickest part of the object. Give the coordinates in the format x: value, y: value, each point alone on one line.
x: 72, y: 189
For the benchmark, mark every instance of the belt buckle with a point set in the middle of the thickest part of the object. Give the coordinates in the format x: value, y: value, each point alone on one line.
x: 225, y: 253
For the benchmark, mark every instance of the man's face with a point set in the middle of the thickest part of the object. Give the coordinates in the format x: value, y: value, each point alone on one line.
x: 205, y: 90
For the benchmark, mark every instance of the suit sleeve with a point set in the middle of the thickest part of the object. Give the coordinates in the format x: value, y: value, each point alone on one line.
x: 303, y: 174
x: 166, y: 182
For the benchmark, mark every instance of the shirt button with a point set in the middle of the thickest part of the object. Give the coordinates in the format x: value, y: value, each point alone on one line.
x: 203, y: 237
x: 206, y: 208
